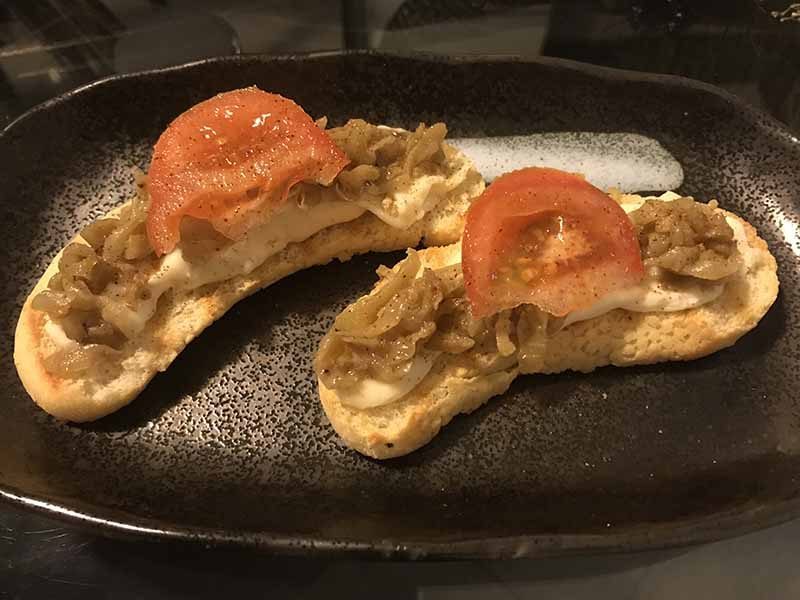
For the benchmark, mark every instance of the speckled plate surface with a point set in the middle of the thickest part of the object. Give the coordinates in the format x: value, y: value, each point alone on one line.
x: 230, y: 445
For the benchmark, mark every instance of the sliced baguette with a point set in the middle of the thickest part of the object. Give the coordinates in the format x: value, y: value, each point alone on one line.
x: 618, y: 338
x: 181, y: 316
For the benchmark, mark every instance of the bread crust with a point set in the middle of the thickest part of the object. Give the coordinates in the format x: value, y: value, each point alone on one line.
x: 620, y: 338
x: 180, y: 317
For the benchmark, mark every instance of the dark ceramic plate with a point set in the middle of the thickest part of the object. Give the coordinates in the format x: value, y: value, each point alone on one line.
x: 230, y: 445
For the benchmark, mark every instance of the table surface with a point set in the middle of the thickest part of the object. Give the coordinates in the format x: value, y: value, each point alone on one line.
x: 749, y: 47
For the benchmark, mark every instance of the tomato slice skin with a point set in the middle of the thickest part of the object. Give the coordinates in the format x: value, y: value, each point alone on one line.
x: 584, y: 244
x: 230, y: 159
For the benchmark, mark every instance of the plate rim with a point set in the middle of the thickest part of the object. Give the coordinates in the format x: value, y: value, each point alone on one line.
x: 720, y: 525
x: 609, y: 73
x: 657, y: 536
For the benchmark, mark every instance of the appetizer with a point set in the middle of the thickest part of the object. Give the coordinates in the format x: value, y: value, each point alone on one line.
x: 243, y: 189
x: 551, y: 274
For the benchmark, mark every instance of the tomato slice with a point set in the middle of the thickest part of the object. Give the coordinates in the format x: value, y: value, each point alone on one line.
x: 230, y: 160
x: 549, y: 238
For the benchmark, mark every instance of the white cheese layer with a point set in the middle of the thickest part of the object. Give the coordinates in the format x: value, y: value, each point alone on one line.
x: 403, y: 208
x: 633, y: 204
x: 649, y: 295
x: 291, y: 224
x: 370, y: 393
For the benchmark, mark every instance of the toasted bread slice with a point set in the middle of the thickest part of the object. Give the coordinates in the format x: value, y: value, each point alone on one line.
x: 618, y: 338
x: 181, y: 316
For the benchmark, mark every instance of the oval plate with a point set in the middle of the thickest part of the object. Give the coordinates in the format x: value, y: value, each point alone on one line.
x: 230, y: 445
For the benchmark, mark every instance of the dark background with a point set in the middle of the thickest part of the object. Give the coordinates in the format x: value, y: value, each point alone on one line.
x: 50, y: 46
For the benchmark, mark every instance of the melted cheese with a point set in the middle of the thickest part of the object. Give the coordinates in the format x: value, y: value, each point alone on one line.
x: 649, y: 295
x: 632, y: 203
x: 292, y: 224
x: 404, y: 208
x: 371, y: 393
